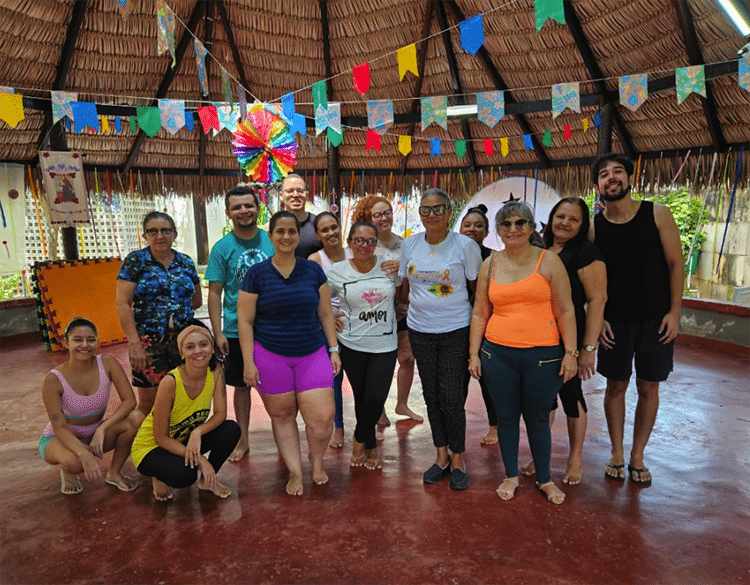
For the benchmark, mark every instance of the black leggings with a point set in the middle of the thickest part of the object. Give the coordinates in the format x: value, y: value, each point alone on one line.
x: 370, y: 375
x: 171, y: 469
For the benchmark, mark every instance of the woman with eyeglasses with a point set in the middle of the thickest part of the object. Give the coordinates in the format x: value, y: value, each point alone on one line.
x: 285, y: 322
x: 158, y: 290
x: 377, y: 210
x: 328, y: 231
x: 476, y: 226
x: 522, y: 310
x: 368, y: 341
x: 439, y: 268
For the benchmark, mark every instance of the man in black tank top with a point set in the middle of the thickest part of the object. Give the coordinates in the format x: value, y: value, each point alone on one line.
x: 641, y: 246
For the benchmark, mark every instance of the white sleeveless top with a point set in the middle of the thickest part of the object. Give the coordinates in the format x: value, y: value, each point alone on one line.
x: 327, y: 265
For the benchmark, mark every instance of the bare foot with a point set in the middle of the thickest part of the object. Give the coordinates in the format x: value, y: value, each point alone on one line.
x: 404, y: 410
x: 554, y: 494
x: 70, y: 484
x: 219, y: 489
x: 294, y: 485
x: 507, y: 490
x: 239, y: 451
x: 384, y: 420
x: 615, y: 470
x: 528, y: 469
x: 337, y: 439
x: 358, y: 454
x: 372, y: 459
x: 379, y: 435
x: 319, y: 474
x: 573, y: 472
x: 162, y: 492
x: 490, y: 438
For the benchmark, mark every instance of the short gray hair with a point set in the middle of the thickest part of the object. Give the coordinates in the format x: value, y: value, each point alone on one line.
x: 519, y: 208
x: 439, y: 193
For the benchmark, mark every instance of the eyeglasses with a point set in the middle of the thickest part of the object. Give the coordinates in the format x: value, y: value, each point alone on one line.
x: 372, y: 242
x: 165, y: 232
x: 425, y: 210
x: 519, y: 223
x: 300, y: 191
x: 382, y: 214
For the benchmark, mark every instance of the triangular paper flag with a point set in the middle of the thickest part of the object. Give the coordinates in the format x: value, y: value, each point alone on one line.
x: 166, y: 21
x: 118, y: 124
x: 209, y: 118
x: 299, y: 125
x: 489, y: 147
x: 597, y: 120
x: 633, y: 91
x: 84, y: 115
x: 242, y: 101
x: 228, y: 116
x: 335, y: 138
x: 125, y: 6
x: 436, y: 148
x: 104, y: 123
x: 373, y: 140
x: 472, y: 34
x: 460, y: 148
x: 133, y: 124
x: 527, y: 142
x: 321, y: 120
x: 149, y: 119
x: 567, y: 132
x: 226, y: 85
x: 585, y: 122
x: 435, y: 109
x: 320, y: 99
x: 407, y: 60
x: 287, y: 101
x: 61, y: 104
x: 689, y: 80
x: 404, y: 144
x: 504, y: 146
x: 361, y: 76
x: 565, y: 95
x: 189, y: 121
x: 200, y: 63
x: 172, y: 115
x: 11, y: 108
x: 490, y: 107
x: 546, y: 138
x: 380, y: 115
x: 544, y: 9
x: 743, y: 71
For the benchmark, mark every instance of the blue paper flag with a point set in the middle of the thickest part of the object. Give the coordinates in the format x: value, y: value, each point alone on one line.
x: 189, y: 121
x: 118, y: 124
x: 527, y: 141
x: 472, y: 34
x: 67, y: 124
x: 597, y: 120
x: 435, y: 148
x: 299, y: 125
x: 84, y: 114
x: 287, y: 102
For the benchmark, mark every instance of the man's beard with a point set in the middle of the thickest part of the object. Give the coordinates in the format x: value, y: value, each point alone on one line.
x: 615, y: 196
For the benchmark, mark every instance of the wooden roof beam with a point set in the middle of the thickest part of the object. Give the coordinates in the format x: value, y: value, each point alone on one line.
x: 208, y: 30
x: 66, y: 57
x: 166, y: 81
x: 584, y: 48
x: 421, y: 54
x: 222, y: 9
x: 689, y: 36
x: 500, y: 85
x: 455, y: 80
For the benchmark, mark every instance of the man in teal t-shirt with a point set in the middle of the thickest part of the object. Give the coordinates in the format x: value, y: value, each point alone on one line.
x: 230, y: 258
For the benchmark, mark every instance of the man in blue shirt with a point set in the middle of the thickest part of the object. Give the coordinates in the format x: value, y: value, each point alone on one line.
x: 228, y: 262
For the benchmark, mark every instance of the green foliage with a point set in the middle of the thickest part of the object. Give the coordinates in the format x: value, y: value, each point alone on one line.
x: 9, y: 286
x: 687, y: 214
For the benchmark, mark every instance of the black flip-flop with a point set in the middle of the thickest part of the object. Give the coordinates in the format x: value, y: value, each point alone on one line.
x: 638, y: 470
x: 617, y: 467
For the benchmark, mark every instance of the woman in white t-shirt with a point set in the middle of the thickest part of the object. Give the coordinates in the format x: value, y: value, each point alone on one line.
x: 438, y: 267
x: 368, y: 341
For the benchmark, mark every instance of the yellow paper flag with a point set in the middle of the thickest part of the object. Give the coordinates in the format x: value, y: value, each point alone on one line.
x: 504, y: 146
x: 407, y: 60
x: 585, y: 124
x: 404, y: 144
x: 11, y: 108
x: 104, y: 125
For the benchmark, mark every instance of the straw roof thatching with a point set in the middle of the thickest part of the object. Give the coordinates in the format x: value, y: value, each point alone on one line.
x: 274, y: 47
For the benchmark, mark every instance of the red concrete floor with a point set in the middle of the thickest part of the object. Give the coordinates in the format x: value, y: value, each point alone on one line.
x: 690, y: 526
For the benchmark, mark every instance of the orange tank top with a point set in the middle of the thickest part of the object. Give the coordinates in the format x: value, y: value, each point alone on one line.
x: 522, y: 313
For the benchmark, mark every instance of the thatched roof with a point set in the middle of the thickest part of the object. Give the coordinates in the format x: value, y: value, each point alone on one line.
x: 278, y: 46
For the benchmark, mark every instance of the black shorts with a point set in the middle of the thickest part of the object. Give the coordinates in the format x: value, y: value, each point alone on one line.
x: 162, y: 356
x: 653, y: 359
x: 234, y: 365
x: 571, y: 394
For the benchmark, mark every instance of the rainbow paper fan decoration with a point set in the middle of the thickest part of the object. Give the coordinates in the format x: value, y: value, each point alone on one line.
x: 264, y: 146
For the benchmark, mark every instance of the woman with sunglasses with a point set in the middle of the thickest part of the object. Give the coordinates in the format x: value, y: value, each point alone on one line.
x: 368, y: 339
x: 439, y: 267
x: 476, y: 226
x: 377, y: 210
x: 158, y: 290
x: 328, y: 231
x: 522, y: 309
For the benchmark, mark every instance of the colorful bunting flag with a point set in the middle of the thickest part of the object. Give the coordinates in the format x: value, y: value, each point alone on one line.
x: 565, y: 95
x: 460, y: 148
x: 527, y: 142
x: 104, y: 123
x: 490, y: 107
x: 320, y: 99
x: 321, y: 120
x: 200, y: 63
x: 373, y: 140
x: 585, y: 122
x: 287, y: 102
x: 149, y: 119
x: 489, y: 147
x: 84, y: 114
x: 118, y: 124
x: 11, y: 108
x: 689, y: 80
x: 435, y: 109
x: 380, y: 115
x: 209, y: 118
x: 335, y: 138
x: 743, y: 71
x: 133, y: 124
x: 228, y: 116
x: 172, y: 115
x: 299, y: 125
x: 436, y: 148
x: 404, y: 144
x: 226, y: 84
x: 546, y: 138
x: 361, y: 76
x: 544, y: 9
x: 242, y: 101
x: 189, y: 121
x: 472, y: 34
x: 504, y: 147
x: 407, y: 60
x: 597, y: 120
x: 125, y: 6
x: 61, y: 104
x: 166, y: 21
x: 567, y: 132
x: 68, y: 127
x: 633, y: 91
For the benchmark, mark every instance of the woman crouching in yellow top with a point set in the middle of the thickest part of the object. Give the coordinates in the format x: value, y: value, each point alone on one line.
x: 170, y: 444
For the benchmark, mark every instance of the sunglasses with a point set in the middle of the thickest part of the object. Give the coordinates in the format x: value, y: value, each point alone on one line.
x: 372, y: 242
x: 425, y: 210
x: 165, y: 232
x: 519, y: 223
x: 382, y: 214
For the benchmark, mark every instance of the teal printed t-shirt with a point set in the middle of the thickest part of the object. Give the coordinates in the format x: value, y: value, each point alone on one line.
x: 229, y: 260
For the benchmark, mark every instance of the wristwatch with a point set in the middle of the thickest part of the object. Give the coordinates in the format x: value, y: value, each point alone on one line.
x: 335, y: 348
x: 589, y: 348
x: 573, y: 352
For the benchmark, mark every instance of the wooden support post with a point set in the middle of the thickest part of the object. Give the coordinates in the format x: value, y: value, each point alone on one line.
x: 604, y: 145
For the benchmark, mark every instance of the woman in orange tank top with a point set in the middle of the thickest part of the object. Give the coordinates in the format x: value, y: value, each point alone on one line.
x: 522, y: 310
